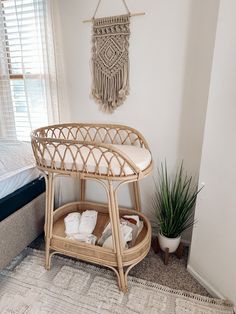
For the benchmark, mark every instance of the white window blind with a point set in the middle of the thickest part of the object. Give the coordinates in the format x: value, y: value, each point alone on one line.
x: 25, y: 73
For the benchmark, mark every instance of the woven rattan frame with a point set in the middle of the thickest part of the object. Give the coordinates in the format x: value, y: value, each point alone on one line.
x: 72, y: 138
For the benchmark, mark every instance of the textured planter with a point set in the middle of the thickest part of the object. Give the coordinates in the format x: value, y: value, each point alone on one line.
x: 170, y: 243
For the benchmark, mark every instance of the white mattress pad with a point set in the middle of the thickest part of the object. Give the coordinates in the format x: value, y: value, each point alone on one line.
x: 140, y: 156
x: 17, y: 166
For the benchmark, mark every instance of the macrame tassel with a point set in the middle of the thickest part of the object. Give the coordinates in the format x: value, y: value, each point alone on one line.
x: 110, y: 61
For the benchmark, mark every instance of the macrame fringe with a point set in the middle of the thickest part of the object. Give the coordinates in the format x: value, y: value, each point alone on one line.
x: 110, y: 73
x: 110, y: 92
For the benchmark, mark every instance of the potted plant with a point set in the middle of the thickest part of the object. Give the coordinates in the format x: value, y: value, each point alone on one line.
x: 174, y: 201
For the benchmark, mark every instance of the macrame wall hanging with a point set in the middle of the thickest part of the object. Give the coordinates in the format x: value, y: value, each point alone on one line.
x: 110, y: 59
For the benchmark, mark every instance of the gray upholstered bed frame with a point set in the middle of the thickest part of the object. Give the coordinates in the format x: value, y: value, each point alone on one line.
x: 20, y: 229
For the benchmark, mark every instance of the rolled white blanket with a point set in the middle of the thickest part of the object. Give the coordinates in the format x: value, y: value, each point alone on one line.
x: 72, y: 222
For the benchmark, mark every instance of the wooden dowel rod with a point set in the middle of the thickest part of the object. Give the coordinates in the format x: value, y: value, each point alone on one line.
x: 132, y: 15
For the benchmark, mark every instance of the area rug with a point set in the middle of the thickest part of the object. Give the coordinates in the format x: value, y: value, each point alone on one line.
x: 75, y: 287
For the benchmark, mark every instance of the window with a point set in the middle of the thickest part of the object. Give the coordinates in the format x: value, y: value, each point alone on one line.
x: 23, y: 24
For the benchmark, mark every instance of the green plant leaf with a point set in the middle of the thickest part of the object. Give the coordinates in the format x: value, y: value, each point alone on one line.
x: 174, y: 201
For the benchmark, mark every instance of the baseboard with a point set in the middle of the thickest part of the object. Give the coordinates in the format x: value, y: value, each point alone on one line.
x: 214, y: 292
x: 186, y: 242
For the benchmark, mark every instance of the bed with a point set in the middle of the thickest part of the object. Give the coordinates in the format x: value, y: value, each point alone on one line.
x: 22, y: 199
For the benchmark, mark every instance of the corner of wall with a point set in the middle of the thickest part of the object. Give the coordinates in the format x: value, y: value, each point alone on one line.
x: 211, y: 289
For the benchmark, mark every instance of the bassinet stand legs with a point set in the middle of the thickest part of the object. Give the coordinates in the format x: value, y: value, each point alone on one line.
x: 115, y: 225
x: 116, y: 235
x: 82, y: 189
x: 114, y: 220
x: 137, y: 201
x: 48, y: 216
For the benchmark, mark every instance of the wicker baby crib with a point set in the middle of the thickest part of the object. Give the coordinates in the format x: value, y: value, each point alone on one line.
x: 105, y: 153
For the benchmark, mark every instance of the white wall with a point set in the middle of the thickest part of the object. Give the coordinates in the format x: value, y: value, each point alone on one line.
x: 213, y: 249
x: 170, y: 53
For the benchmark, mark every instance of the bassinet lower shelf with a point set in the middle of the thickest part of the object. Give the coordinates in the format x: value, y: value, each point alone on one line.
x: 112, y: 155
x: 95, y: 253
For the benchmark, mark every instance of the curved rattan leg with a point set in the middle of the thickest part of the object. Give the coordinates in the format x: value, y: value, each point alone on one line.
x: 116, y: 236
x: 123, y: 278
x: 46, y: 222
x: 82, y: 189
x: 48, y: 217
x: 137, y: 200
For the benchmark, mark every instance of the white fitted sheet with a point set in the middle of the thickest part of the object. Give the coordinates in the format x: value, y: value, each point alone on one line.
x: 140, y: 156
x: 17, y: 166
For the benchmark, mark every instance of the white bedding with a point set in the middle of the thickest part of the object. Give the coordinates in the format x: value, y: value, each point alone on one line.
x: 140, y: 156
x: 17, y: 166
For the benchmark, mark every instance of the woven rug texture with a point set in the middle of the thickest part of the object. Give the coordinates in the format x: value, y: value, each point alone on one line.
x: 74, y: 287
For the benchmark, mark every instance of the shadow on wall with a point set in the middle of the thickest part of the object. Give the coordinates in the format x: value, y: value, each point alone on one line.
x: 199, y: 54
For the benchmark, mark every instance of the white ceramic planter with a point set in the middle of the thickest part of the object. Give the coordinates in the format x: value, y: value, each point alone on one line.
x: 170, y: 243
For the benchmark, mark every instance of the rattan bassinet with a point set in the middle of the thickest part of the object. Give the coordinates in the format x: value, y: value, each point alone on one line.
x: 105, y: 153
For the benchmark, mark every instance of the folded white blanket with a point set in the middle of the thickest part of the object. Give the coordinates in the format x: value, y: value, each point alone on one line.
x: 81, y: 226
x: 72, y: 222
x: 134, y: 217
x: 130, y: 227
x: 88, y: 222
x: 126, y: 236
x: 86, y: 238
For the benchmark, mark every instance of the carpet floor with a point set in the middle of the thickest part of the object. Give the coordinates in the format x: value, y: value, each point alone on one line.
x: 72, y: 287
x: 151, y: 268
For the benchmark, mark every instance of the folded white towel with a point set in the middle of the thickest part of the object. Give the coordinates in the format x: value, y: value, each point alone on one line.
x: 134, y: 217
x: 86, y: 238
x: 72, y: 222
x: 126, y: 236
x: 108, y: 243
x: 108, y: 226
x: 140, y: 227
x: 126, y: 232
x: 88, y: 222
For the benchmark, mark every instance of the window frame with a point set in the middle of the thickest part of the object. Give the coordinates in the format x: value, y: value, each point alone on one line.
x: 11, y: 75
